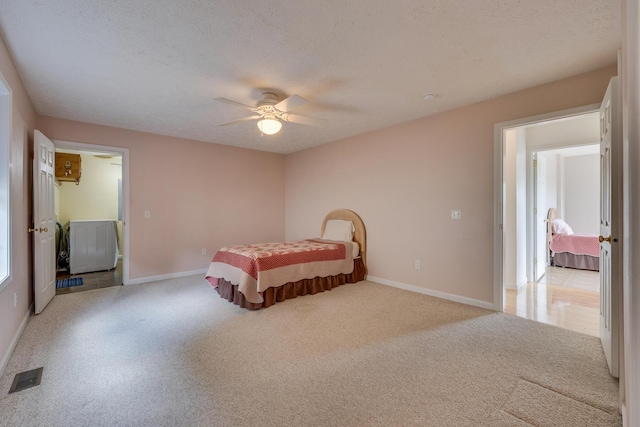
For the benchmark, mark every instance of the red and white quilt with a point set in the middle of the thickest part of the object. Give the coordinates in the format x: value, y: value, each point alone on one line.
x: 255, y: 268
x: 577, y: 244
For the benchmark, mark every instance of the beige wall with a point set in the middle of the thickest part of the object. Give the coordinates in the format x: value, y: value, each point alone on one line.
x: 23, y: 121
x: 405, y: 180
x: 200, y: 195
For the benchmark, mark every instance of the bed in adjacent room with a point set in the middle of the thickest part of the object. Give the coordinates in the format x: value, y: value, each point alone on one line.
x: 567, y: 249
x: 259, y: 275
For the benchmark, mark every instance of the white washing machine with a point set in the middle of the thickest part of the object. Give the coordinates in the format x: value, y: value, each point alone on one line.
x: 93, y: 245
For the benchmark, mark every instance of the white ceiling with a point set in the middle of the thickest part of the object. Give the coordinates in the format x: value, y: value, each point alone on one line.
x: 573, y: 131
x: 156, y: 65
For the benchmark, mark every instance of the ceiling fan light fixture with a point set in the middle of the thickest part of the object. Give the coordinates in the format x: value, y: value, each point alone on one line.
x: 269, y: 126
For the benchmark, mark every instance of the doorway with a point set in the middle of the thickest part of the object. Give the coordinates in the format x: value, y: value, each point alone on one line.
x: 538, y: 166
x: 92, y: 217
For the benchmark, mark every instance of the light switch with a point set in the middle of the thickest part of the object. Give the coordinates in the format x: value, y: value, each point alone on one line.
x: 147, y: 214
x: 456, y: 214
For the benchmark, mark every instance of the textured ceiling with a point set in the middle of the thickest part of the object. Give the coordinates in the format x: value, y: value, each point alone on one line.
x: 156, y: 65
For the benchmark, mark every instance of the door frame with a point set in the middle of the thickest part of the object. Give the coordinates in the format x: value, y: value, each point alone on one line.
x: 535, y: 260
x: 498, y: 189
x: 124, y: 152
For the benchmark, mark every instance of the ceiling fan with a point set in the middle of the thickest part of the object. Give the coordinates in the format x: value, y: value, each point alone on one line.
x: 270, y: 112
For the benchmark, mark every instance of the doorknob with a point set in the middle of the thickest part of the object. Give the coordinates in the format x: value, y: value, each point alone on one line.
x: 604, y: 239
x: 42, y: 230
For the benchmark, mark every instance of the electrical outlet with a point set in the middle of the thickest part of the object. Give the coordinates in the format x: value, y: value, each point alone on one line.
x: 147, y: 214
x: 417, y: 265
x: 456, y: 214
x: 204, y: 251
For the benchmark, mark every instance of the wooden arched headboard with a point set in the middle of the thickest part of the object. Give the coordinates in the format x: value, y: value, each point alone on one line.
x: 360, y: 235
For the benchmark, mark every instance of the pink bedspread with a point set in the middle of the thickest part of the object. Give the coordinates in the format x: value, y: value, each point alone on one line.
x: 255, y: 268
x: 577, y: 244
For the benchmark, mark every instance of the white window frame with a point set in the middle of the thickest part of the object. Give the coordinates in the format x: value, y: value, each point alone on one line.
x: 5, y: 182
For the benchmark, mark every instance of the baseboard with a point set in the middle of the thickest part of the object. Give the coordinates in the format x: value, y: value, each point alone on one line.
x: 516, y: 286
x: 522, y: 283
x: 417, y: 289
x: 432, y: 293
x: 167, y: 276
x: 14, y: 341
x: 510, y: 285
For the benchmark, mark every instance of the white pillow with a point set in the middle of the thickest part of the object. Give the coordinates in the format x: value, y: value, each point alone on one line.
x: 338, y: 229
x: 356, y: 249
x: 558, y: 226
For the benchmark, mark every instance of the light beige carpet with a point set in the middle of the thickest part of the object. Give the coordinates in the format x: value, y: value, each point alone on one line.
x: 173, y: 353
x: 543, y: 407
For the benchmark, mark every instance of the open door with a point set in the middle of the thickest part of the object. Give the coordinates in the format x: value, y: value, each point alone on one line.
x: 610, y: 253
x: 540, y: 216
x: 44, y: 230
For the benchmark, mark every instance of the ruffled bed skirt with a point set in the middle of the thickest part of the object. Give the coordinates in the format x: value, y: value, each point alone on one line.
x: 582, y: 262
x: 292, y: 289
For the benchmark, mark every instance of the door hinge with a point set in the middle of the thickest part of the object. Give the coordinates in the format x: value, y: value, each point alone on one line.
x: 535, y: 211
x: 535, y: 261
x: 535, y: 163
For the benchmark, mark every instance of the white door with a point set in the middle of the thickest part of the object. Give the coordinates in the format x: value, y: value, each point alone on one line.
x: 610, y: 253
x: 540, y: 216
x: 44, y: 230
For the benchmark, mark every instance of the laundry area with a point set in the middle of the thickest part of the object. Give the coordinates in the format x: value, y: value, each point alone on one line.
x: 88, y: 200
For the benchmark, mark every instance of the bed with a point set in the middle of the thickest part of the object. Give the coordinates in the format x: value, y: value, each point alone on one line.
x: 567, y: 249
x: 259, y: 275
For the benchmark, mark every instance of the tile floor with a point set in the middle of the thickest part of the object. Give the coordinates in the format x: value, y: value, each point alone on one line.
x: 571, y: 278
x: 97, y: 280
x: 563, y: 297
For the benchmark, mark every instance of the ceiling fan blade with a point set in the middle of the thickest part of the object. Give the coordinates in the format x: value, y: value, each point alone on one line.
x: 237, y: 104
x: 244, y: 119
x: 304, y: 120
x: 292, y: 102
